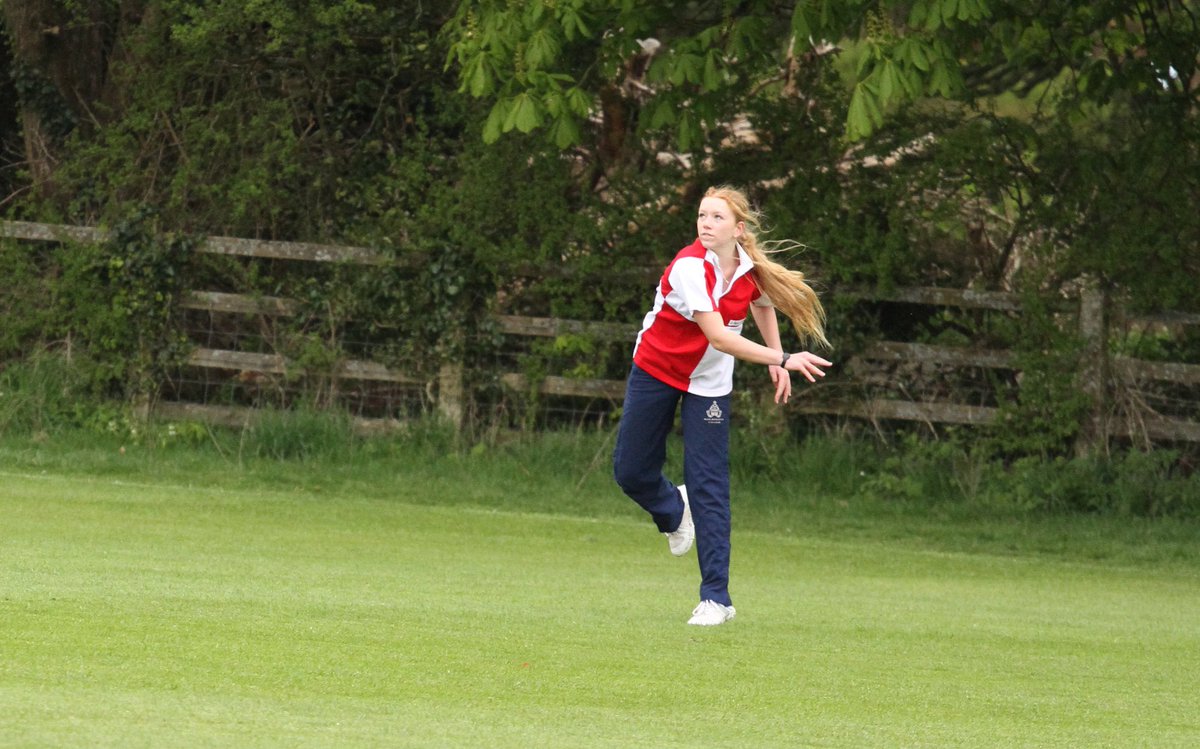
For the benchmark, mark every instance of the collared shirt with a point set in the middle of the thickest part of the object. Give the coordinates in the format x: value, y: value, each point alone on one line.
x: 671, y: 346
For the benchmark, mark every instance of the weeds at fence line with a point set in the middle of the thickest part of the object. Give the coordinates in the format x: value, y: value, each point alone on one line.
x: 41, y: 404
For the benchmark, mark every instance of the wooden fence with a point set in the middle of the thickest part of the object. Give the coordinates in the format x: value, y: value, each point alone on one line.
x: 1101, y: 375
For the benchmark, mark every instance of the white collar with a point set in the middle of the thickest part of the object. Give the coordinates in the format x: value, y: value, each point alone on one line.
x: 745, y: 265
x: 744, y: 262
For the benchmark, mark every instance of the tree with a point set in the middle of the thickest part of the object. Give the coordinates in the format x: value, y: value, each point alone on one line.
x: 1107, y: 91
x: 552, y: 63
x: 61, y: 55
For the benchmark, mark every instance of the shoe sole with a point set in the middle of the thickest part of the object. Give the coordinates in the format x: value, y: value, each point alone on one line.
x: 687, y: 517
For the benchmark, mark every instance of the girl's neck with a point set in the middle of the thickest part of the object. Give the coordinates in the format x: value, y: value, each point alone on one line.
x: 729, y: 252
x: 728, y: 260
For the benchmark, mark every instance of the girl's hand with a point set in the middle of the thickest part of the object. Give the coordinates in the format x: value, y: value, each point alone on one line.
x: 808, y: 365
x: 783, y: 382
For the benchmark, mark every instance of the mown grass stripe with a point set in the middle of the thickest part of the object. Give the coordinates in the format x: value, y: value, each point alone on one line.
x: 182, y: 616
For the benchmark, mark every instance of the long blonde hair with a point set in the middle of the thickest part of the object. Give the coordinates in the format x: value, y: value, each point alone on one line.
x: 786, y: 289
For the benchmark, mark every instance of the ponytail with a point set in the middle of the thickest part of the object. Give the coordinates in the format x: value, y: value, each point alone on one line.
x: 786, y: 289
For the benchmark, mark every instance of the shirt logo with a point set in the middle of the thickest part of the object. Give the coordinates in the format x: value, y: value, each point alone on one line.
x: 713, y: 414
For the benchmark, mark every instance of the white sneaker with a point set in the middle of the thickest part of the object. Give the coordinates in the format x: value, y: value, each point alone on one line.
x: 710, y: 613
x: 680, y: 539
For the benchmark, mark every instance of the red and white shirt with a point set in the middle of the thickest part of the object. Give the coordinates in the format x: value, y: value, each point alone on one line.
x: 671, y: 347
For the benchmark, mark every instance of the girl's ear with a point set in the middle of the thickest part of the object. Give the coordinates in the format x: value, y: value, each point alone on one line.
x: 740, y: 229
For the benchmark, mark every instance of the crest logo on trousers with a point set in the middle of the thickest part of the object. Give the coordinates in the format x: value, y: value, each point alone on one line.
x: 713, y: 414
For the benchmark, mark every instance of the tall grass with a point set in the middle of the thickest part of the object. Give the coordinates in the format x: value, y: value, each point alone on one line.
x: 39, y: 394
x: 41, y: 403
x: 299, y: 435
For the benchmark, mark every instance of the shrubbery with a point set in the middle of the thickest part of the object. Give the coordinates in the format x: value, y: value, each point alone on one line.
x: 42, y: 400
x: 1128, y: 482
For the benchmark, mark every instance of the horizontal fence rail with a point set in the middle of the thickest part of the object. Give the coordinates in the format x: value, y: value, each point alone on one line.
x: 216, y: 301
x: 880, y: 409
x: 968, y: 298
x: 275, y: 364
x: 260, y: 248
x: 552, y: 327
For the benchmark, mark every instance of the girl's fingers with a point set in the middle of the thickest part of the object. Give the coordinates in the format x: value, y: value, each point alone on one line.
x: 809, y: 365
x: 783, y: 383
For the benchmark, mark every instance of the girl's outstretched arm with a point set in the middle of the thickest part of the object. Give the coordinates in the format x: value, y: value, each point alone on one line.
x: 726, y: 341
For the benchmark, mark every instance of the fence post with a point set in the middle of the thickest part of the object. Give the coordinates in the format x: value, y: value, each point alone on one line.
x: 1093, y: 372
x: 450, y: 393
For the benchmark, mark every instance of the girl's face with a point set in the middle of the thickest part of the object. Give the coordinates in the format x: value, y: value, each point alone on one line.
x: 716, y: 225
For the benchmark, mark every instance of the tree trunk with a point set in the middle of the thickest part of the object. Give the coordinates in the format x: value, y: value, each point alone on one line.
x: 60, y: 54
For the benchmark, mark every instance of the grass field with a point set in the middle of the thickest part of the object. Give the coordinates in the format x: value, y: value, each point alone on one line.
x: 141, y: 607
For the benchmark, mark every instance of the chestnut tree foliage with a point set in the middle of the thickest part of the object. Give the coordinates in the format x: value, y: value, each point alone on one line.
x: 1066, y: 129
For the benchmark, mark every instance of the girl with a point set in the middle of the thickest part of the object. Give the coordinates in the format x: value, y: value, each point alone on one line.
x: 685, y: 353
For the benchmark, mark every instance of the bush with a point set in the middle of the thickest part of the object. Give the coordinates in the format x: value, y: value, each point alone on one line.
x: 930, y: 471
x: 1132, y: 483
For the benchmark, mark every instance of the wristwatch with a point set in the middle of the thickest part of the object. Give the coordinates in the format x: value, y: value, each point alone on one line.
x: 786, y: 356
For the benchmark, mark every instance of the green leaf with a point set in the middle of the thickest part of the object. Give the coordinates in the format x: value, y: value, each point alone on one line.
x: 688, y: 131
x: 949, y: 11
x: 870, y: 54
x: 708, y: 37
x: 887, y: 81
x: 674, y: 71
x: 663, y: 114
x: 946, y: 78
x: 910, y: 79
x: 918, y: 13
x: 542, y: 48
x: 969, y: 10
x: 476, y: 76
x: 919, y: 56
x: 687, y: 68
x: 565, y: 132
x: 940, y: 81
x: 555, y: 104
x: 579, y: 102
x: 712, y: 74
x: 864, y: 115
x: 801, y: 26
x: 493, y: 127
x: 572, y: 23
x: 933, y: 20
x: 858, y: 122
x: 525, y: 114
x: 873, y: 106
x: 746, y: 37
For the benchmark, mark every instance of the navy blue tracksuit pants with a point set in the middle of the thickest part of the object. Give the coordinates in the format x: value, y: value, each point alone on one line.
x: 641, y: 450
